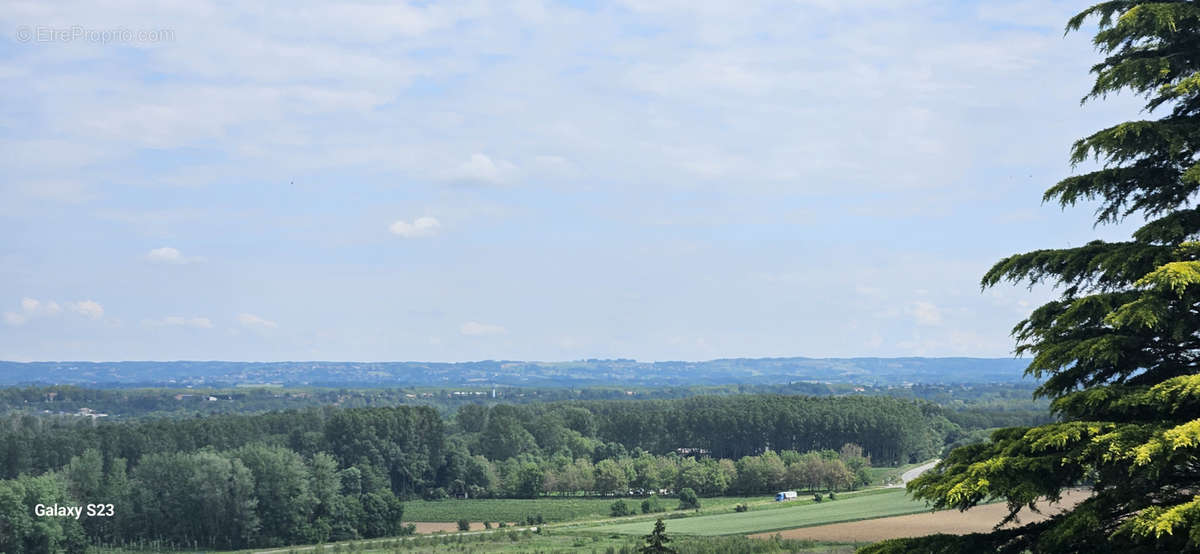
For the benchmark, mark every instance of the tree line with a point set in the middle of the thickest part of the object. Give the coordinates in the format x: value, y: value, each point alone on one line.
x: 415, y: 449
x: 1015, y: 399
x: 255, y: 495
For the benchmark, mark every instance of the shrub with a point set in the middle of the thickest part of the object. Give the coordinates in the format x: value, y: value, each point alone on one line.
x: 832, y: 495
x: 741, y: 508
x: 487, y: 525
x: 816, y: 497
x: 619, y: 509
x: 464, y: 525
x: 688, y: 499
x: 652, y: 506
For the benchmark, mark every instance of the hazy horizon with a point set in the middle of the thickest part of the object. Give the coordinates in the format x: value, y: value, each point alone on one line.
x: 530, y: 361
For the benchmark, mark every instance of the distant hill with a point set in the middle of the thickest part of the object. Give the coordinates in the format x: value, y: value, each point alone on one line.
x: 862, y: 371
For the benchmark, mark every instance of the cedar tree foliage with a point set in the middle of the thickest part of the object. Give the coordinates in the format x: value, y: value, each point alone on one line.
x: 1118, y: 351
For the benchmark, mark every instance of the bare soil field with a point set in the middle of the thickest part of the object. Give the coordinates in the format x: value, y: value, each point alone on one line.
x: 979, y: 519
x: 426, y: 527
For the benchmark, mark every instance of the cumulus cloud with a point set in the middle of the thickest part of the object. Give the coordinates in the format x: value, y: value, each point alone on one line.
x: 420, y: 227
x: 32, y: 308
x: 87, y: 308
x: 254, y: 322
x: 482, y: 169
x: 178, y: 321
x: 168, y: 255
x: 477, y: 329
x: 925, y: 313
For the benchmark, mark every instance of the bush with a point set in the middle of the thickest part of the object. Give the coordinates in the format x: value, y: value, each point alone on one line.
x: 464, y: 525
x: 816, y: 497
x: 503, y: 524
x: 832, y: 495
x: 652, y: 506
x: 688, y: 499
x: 487, y: 525
x: 620, y: 508
x: 741, y: 508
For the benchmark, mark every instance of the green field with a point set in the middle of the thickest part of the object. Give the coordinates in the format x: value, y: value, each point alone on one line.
x: 559, y: 509
x: 885, y: 503
x: 514, y: 542
x: 552, y: 509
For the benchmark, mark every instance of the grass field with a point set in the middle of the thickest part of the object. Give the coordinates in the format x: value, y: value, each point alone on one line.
x: 552, y: 509
x: 847, y: 508
x: 554, y: 544
x: 562, y: 509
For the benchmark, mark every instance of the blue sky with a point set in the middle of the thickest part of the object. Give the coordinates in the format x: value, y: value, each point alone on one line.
x: 531, y: 180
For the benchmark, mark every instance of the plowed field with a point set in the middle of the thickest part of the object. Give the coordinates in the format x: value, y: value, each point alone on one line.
x: 976, y: 520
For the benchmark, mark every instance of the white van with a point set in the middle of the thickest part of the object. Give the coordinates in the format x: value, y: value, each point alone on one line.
x: 785, y: 495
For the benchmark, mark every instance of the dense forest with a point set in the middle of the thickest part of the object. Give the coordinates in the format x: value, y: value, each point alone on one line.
x: 335, y: 473
x: 889, y: 430
x: 185, y: 402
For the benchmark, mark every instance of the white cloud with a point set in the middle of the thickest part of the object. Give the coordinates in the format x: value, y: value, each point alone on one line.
x: 482, y: 169
x: 477, y: 329
x: 255, y: 322
x: 925, y: 313
x: 32, y: 308
x: 87, y: 308
x: 168, y: 255
x: 420, y: 227
x: 178, y: 321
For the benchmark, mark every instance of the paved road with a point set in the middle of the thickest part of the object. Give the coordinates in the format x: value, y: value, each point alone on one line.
x: 916, y: 472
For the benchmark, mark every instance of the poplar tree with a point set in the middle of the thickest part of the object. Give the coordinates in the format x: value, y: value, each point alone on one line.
x: 1118, y: 349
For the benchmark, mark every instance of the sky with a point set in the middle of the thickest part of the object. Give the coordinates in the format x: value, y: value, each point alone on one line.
x: 534, y: 180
